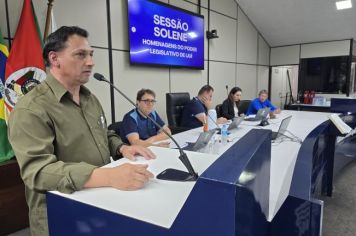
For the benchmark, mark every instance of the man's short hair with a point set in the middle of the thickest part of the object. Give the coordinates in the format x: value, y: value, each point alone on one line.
x: 142, y: 92
x: 56, y: 41
x: 205, y: 88
x: 263, y: 91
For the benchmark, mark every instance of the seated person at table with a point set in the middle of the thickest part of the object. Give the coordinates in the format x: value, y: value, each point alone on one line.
x: 261, y: 102
x: 195, y: 112
x: 230, y: 105
x: 137, y: 128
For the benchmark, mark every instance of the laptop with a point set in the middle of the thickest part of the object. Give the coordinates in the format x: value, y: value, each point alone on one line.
x: 201, y: 142
x: 235, y: 123
x: 282, y: 128
x: 261, y: 115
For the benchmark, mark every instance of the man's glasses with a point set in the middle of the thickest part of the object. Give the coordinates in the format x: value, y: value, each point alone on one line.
x: 148, y: 101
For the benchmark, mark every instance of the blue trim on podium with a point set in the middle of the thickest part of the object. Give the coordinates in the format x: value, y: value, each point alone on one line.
x: 302, y: 212
x: 230, y: 198
x: 342, y: 105
x: 345, y: 152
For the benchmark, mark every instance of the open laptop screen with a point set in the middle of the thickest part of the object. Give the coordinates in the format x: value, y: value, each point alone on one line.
x: 282, y: 128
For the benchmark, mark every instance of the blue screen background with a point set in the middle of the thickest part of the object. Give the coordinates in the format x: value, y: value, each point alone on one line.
x: 141, y: 27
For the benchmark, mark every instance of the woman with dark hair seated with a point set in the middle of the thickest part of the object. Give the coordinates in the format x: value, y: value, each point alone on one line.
x: 230, y: 105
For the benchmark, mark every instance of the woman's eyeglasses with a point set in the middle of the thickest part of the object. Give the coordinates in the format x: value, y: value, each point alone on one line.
x: 148, y: 101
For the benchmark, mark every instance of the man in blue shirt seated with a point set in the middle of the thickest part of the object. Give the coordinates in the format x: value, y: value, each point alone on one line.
x: 261, y: 102
x: 195, y: 112
x: 137, y: 128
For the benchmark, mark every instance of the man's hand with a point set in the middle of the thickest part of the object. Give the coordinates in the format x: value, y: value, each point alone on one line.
x: 221, y: 120
x: 130, y: 151
x: 128, y: 176
x: 277, y: 111
x: 207, y: 102
x: 124, y: 177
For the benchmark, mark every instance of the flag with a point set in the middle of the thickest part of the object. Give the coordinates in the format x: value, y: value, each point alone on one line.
x: 6, y: 151
x: 53, y: 23
x: 25, y: 66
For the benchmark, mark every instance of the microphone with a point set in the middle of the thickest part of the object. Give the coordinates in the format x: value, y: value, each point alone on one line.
x: 227, y: 90
x: 264, y: 122
x: 168, y: 174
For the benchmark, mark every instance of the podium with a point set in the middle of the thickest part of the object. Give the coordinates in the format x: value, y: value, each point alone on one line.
x: 239, y: 192
x: 319, y: 159
x: 231, y: 197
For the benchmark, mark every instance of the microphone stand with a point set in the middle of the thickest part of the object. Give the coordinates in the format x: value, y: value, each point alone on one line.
x: 168, y: 174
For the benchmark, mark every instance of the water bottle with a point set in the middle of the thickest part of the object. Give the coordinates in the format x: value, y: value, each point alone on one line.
x: 212, y: 118
x: 224, y: 134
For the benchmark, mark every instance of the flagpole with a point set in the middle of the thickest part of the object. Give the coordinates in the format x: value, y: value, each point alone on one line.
x: 8, y: 24
x: 48, y: 19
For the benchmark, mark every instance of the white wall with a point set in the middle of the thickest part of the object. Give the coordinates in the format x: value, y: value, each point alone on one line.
x: 239, y: 57
x: 245, y: 79
x: 262, y: 75
x: 288, y: 55
x: 325, y: 49
x: 263, y: 51
x: 246, y: 40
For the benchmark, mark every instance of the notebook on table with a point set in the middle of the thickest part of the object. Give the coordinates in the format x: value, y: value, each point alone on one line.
x: 235, y: 123
x: 261, y: 115
x: 201, y: 142
x: 282, y: 128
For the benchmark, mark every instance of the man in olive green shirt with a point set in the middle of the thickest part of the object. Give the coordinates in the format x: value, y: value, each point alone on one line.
x: 59, y: 135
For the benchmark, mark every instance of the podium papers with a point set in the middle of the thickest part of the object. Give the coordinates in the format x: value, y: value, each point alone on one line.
x: 340, y: 124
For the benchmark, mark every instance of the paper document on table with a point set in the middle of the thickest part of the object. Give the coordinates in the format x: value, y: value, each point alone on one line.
x: 340, y: 124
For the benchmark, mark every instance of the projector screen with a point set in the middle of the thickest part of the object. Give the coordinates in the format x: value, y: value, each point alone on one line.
x: 164, y: 35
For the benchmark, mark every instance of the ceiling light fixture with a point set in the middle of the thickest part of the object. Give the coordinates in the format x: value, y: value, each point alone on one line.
x: 340, y: 5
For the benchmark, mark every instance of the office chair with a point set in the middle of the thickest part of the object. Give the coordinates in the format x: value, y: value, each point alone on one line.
x: 175, y: 103
x: 116, y: 126
x: 243, y: 106
x: 218, y: 109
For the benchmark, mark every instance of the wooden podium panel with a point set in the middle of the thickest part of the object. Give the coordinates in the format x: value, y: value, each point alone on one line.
x: 13, y: 207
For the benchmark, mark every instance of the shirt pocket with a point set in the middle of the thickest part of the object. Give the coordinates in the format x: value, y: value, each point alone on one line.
x: 98, y: 124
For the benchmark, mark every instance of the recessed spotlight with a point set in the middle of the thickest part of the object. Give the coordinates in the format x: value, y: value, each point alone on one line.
x: 340, y: 5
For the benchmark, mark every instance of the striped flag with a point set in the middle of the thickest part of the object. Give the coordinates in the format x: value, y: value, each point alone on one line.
x: 6, y: 151
x: 25, y: 66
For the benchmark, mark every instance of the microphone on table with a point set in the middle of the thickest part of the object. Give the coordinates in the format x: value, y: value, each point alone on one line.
x: 168, y: 174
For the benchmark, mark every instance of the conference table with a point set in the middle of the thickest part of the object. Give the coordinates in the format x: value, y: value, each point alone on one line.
x: 284, y: 151
x: 160, y: 203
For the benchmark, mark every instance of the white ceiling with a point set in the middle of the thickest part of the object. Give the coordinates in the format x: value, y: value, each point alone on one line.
x: 286, y: 22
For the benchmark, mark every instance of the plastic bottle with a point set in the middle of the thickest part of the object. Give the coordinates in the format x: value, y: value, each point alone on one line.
x: 224, y: 134
x: 212, y: 119
x: 205, y: 125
